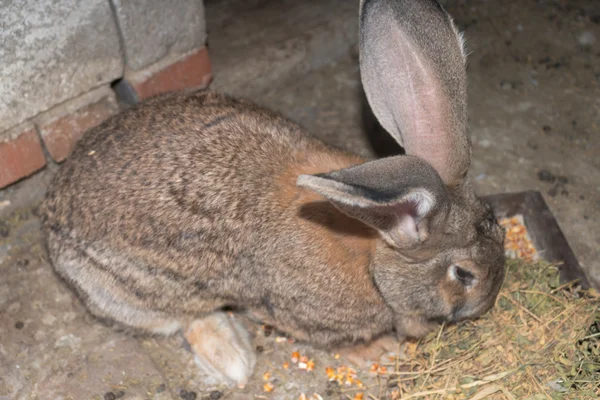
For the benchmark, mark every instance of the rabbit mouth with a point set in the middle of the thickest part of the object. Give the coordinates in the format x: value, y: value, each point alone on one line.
x: 466, y: 311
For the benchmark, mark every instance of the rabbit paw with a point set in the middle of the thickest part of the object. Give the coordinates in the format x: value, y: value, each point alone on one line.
x: 363, y: 355
x: 222, y: 348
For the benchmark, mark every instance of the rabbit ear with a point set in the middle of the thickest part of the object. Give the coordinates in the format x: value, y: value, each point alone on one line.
x: 395, y: 195
x: 413, y: 69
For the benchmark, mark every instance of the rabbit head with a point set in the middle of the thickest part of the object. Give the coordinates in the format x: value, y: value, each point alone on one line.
x: 441, y: 257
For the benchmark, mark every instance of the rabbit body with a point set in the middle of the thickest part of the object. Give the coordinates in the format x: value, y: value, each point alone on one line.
x: 188, y: 203
x: 191, y: 203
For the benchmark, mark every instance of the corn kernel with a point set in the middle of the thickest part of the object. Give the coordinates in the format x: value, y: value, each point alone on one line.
x: 267, y: 387
x: 295, y: 357
x: 330, y: 372
x: 303, y: 364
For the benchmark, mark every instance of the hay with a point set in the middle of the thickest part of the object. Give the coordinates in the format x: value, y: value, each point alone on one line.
x: 540, y: 341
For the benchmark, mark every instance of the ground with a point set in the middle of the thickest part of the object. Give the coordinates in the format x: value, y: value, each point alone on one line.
x: 534, y: 104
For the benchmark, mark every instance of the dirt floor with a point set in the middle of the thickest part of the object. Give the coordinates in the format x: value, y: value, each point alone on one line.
x: 534, y: 87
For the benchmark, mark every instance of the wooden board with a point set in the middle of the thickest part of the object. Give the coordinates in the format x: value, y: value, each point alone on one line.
x: 546, y: 235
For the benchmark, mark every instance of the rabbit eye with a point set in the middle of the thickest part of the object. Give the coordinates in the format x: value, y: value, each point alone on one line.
x: 462, y: 275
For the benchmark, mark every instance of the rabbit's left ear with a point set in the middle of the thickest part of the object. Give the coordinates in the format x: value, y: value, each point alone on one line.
x: 395, y: 195
x: 413, y: 69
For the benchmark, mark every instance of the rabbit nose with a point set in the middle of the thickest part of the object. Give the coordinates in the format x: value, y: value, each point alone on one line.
x: 483, y: 307
x: 470, y: 311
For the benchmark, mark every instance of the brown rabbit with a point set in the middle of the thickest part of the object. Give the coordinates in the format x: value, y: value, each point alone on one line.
x: 190, y: 203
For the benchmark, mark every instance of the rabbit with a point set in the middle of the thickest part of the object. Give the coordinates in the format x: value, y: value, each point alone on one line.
x: 193, y: 203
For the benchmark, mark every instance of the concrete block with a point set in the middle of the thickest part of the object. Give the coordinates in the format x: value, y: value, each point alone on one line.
x: 52, y: 51
x: 153, y: 29
x: 20, y: 154
x: 62, y: 126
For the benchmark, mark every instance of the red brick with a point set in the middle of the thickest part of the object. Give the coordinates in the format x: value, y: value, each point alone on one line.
x: 21, y: 155
x: 193, y: 71
x: 60, y: 132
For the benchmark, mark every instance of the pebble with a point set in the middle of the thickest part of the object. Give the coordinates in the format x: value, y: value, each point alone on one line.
x: 504, y: 85
x: 268, y: 330
x: 215, y: 395
x: 69, y: 340
x: 546, y: 176
x: 114, y: 396
x: 586, y: 38
x: 4, y: 204
x: 4, y: 229
x: 23, y: 263
x: 69, y: 316
x: 49, y: 319
x: 185, y: 395
x: 14, y: 307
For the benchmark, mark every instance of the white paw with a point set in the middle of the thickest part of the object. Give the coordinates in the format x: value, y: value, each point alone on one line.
x: 222, y: 348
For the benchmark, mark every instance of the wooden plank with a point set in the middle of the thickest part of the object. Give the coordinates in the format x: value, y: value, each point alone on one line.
x: 546, y: 235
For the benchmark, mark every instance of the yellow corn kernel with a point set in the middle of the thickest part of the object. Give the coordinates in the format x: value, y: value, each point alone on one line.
x: 267, y: 387
x: 295, y: 357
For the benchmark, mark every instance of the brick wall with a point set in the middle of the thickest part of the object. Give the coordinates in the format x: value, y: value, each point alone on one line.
x: 61, y: 60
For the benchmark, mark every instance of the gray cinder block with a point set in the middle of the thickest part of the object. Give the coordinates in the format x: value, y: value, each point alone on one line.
x: 52, y: 51
x: 153, y: 29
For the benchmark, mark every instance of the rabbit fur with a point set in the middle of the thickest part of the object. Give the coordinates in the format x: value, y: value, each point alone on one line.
x: 190, y: 203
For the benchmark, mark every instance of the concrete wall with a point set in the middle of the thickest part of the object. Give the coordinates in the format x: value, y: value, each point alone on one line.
x: 59, y: 58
